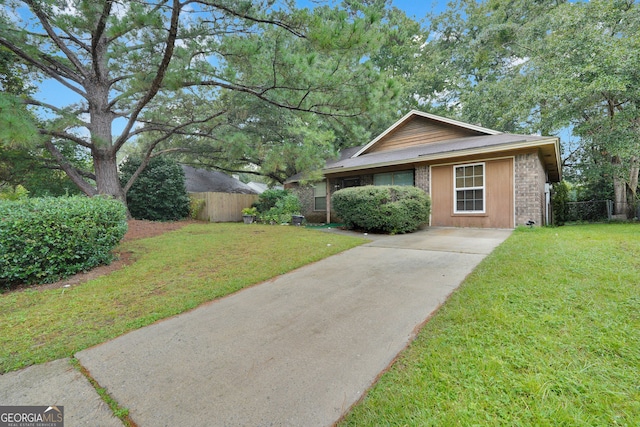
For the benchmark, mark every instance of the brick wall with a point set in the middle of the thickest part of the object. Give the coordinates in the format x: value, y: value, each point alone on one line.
x: 529, y: 189
x: 306, y: 196
x: 421, y: 178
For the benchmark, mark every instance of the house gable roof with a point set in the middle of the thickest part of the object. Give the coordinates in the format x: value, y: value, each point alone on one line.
x: 460, y: 147
x: 438, y: 128
x: 471, y: 140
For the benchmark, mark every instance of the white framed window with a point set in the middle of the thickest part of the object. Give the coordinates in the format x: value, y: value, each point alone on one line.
x: 320, y: 196
x: 469, y: 188
x: 394, y: 178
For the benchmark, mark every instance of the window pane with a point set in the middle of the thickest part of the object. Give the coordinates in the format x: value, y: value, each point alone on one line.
x: 403, y: 178
x: 468, y: 181
x: 382, y: 179
x: 469, y: 184
x: 320, y: 189
x: 320, y: 204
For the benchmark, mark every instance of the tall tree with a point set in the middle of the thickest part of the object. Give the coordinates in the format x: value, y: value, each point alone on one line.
x: 541, y: 67
x: 162, y: 69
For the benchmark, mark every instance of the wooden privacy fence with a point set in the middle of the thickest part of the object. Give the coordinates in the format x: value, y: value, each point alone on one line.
x: 223, y: 207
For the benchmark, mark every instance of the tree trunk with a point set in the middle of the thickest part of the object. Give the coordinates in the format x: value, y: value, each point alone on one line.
x: 107, y: 180
x: 632, y: 194
x: 619, y: 188
x: 633, y: 177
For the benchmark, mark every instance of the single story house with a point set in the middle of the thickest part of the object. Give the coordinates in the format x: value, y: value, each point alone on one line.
x: 476, y: 177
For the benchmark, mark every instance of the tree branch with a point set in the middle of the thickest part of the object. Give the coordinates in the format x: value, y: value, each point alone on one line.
x: 175, y: 130
x: 155, y: 85
x: 55, y: 74
x: 257, y: 20
x: 56, y: 166
x: 56, y: 39
x: 260, y: 94
x: 71, y: 171
x: 97, y: 35
x: 68, y: 136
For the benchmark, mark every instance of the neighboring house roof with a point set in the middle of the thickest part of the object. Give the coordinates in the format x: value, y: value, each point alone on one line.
x: 206, y: 181
x: 260, y: 187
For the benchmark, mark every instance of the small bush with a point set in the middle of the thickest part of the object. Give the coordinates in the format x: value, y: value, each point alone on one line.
x: 268, y: 199
x: 159, y: 193
x: 283, y: 205
x: 44, y: 239
x: 389, y: 209
x: 195, y: 206
x: 559, y: 203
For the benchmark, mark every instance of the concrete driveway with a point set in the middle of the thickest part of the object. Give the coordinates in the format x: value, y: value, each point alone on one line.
x: 298, y: 350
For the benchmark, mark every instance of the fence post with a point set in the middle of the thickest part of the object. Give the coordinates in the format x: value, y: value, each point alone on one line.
x: 609, y: 209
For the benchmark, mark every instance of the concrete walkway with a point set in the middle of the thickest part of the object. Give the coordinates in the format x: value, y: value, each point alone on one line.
x: 298, y: 350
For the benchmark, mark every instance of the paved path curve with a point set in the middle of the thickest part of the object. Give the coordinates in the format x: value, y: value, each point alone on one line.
x: 298, y: 350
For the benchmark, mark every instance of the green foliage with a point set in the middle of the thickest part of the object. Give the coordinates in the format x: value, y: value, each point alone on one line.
x: 13, y: 193
x: 32, y: 169
x: 159, y: 193
x: 390, y: 209
x: 195, y: 206
x: 559, y: 202
x: 268, y: 199
x: 278, y: 206
x: 253, y: 211
x: 43, y: 239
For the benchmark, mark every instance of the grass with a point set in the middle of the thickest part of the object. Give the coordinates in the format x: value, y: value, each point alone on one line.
x: 546, y: 331
x: 174, y: 272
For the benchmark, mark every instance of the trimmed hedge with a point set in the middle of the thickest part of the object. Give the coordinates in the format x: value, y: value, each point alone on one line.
x: 45, y: 239
x: 389, y: 209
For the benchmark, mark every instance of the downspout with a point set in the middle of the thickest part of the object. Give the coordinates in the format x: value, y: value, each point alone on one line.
x: 547, y: 200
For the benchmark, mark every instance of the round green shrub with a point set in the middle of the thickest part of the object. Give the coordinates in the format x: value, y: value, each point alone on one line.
x: 45, y: 239
x: 388, y: 209
x: 159, y: 192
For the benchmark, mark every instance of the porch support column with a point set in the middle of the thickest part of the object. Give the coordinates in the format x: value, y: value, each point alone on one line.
x: 328, y: 201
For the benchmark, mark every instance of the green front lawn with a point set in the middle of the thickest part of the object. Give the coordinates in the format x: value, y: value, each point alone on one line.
x: 173, y: 273
x: 546, y: 331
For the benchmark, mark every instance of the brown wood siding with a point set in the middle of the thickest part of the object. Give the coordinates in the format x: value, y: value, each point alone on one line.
x: 499, y: 208
x: 417, y: 132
